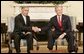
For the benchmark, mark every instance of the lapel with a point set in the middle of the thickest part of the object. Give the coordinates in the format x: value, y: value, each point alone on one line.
x: 23, y: 20
x: 62, y: 20
x: 55, y: 21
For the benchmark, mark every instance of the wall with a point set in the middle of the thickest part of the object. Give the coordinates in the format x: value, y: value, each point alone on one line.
x: 74, y: 8
x: 6, y: 10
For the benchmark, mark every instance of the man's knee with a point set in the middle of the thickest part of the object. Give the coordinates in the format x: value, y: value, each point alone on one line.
x: 70, y: 35
x: 29, y: 36
x: 16, y: 36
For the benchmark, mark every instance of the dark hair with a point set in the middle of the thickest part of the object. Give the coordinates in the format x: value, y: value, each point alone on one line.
x: 24, y: 7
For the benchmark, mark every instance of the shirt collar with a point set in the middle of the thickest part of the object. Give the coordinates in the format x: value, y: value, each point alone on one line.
x: 23, y: 16
x: 60, y: 16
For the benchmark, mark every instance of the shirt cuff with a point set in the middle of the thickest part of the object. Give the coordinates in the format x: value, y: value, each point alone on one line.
x: 64, y: 33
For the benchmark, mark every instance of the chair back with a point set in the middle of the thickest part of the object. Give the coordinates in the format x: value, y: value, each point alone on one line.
x: 11, y: 24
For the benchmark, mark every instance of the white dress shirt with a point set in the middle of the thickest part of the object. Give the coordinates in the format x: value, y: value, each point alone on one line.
x: 58, y: 17
x: 24, y: 17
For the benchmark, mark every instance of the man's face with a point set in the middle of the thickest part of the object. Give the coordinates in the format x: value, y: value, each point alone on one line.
x: 59, y: 10
x: 25, y: 11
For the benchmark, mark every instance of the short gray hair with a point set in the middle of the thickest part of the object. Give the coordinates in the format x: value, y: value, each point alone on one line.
x: 60, y: 5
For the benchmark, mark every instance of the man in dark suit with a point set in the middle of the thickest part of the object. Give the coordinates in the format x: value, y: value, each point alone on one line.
x: 62, y: 27
x: 23, y: 30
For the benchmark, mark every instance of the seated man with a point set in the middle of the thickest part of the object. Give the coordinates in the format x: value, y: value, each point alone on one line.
x: 11, y: 34
x: 23, y: 30
x: 62, y: 27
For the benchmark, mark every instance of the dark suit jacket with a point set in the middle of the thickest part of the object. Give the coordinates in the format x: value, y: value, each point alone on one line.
x: 20, y: 25
x: 66, y: 24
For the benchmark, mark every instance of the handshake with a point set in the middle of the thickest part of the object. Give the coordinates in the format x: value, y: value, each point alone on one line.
x: 36, y: 29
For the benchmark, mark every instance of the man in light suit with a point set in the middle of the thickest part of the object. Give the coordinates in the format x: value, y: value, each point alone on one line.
x: 62, y: 27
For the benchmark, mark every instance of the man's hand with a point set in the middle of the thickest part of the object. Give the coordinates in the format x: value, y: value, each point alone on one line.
x: 26, y: 33
x: 53, y: 29
x: 39, y: 29
x: 23, y: 33
x: 36, y: 29
x: 61, y: 36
